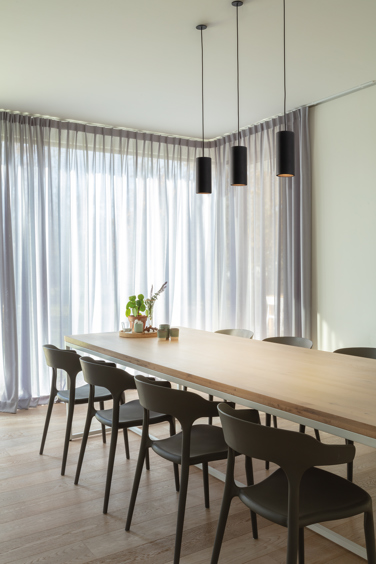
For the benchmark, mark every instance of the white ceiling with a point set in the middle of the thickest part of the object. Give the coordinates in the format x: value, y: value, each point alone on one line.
x: 136, y: 63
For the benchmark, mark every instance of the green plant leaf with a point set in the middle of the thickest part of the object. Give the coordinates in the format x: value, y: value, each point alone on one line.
x: 142, y: 307
x: 132, y: 298
x: 140, y: 296
x: 127, y: 312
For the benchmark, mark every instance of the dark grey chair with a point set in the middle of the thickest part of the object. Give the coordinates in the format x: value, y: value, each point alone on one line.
x: 196, y: 444
x: 69, y: 361
x: 244, y: 333
x: 293, y: 342
x: 121, y: 416
x: 297, y: 494
x: 364, y: 352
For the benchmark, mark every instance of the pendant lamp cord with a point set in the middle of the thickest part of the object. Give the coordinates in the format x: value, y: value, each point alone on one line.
x: 284, y: 63
x: 237, y: 67
x: 202, y: 92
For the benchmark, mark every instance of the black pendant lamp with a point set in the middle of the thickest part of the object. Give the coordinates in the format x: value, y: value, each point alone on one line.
x: 238, y: 167
x: 203, y: 164
x: 285, y: 166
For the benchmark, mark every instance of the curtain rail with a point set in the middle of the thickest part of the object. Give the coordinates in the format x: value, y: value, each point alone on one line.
x: 196, y: 139
x: 310, y: 105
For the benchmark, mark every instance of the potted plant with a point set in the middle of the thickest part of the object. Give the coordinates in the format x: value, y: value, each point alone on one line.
x: 134, y: 306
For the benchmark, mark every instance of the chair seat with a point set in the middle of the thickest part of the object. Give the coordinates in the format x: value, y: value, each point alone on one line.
x: 82, y: 394
x: 323, y: 497
x: 207, y: 445
x: 131, y: 414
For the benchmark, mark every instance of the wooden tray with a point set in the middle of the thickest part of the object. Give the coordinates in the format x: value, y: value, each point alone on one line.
x: 127, y: 335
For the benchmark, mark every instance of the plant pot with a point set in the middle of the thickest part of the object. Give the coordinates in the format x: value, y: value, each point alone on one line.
x: 132, y: 319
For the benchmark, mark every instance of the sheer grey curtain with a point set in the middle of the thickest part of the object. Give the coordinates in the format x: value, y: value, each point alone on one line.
x: 91, y: 215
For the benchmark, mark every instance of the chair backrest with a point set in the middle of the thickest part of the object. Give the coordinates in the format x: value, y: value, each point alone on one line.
x: 292, y: 341
x: 294, y: 452
x: 107, y: 375
x: 364, y: 352
x: 245, y: 333
x: 100, y: 373
x: 185, y: 406
x: 63, y: 359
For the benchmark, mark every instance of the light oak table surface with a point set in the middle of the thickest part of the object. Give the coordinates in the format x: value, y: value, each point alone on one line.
x: 334, y: 389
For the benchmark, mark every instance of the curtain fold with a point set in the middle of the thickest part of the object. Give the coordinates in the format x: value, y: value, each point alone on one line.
x: 91, y: 215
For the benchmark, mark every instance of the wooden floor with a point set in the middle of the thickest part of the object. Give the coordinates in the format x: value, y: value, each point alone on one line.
x: 46, y: 519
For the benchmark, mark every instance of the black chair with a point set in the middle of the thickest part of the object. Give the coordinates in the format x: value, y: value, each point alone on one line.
x: 244, y: 333
x: 303, y: 343
x: 121, y: 416
x: 364, y: 352
x: 195, y: 444
x: 297, y: 494
x: 69, y: 361
x: 291, y: 341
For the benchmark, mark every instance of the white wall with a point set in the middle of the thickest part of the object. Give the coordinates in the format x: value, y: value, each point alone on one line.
x: 343, y: 138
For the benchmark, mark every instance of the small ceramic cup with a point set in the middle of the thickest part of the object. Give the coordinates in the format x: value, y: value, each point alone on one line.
x: 138, y: 326
x: 162, y: 334
x: 174, y: 333
x: 165, y: 327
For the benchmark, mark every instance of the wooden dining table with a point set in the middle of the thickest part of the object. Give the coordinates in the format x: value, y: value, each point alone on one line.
x: 331, y: 392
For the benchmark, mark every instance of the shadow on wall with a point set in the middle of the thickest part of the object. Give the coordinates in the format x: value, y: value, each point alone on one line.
x: 327, y: 339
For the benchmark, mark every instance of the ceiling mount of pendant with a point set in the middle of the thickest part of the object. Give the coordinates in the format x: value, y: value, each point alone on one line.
x: 201, y: 27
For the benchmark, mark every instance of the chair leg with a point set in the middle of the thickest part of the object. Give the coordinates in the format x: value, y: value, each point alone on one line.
x: 181, y: 510
x: 268, y: 423
x: 350, y: 465
x: 301, y: 428
x: 292, y: 544
x: 369, y: 532
x: 225, y: 508
x: 136, y: 484
x: 67, y: 436
x: 177, y: 480
x: 110, y: 467
x: 205, y: 475
x: 350, y: 471
x: 301, y: 545
x: 51, y: 402
x: 101, y: 405
x: 176, y: 466
x: 275, y: 422
x: 250, y: 482
x: 210, y: 419
x: 89, y: 417
x: 317, y: 435
x: 147, y: 460
x: 126, y: 443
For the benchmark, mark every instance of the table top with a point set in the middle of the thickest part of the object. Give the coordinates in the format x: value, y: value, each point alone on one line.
x: 337, y: 390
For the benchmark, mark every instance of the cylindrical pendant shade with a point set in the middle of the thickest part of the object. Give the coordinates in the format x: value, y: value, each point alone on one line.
x: 238, y: 167
x: 285, y: 154
x: 203, y: 175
